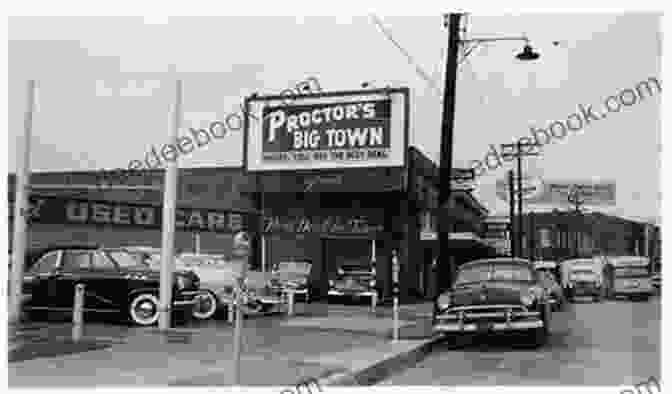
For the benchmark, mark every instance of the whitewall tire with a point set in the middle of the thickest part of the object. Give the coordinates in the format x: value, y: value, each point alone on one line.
x: 206, y: 306
x: 144, y: 309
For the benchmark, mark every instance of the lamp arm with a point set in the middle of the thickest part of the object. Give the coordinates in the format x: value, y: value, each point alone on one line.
x: 493, y: 39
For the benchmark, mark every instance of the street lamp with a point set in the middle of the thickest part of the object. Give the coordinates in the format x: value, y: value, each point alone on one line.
x: 452, y: 21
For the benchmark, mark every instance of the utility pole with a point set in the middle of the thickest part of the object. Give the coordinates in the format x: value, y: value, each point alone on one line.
x: 452, y: 21
x: 512, y: 214
x: 519, y: 153
x: 21, y: 211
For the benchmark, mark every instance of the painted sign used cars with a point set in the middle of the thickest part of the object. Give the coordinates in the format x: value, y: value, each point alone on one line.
x: 57, y: 210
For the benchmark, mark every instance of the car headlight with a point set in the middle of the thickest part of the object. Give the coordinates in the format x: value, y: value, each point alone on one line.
x: 340, y: 271
x: 444, y: 301
x: 372, y: 283
x: 331, y: 283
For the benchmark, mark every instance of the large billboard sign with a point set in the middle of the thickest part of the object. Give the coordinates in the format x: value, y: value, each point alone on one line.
x: 538, y: 191
x: 327, y: 131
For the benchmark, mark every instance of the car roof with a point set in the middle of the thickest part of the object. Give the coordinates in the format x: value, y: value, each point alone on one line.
x: 497, y: 260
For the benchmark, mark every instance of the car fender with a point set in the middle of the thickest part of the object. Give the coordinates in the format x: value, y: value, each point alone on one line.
x: 139, y: 290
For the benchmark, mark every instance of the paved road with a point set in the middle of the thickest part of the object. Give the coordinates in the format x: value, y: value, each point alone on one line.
x: 611, y: 343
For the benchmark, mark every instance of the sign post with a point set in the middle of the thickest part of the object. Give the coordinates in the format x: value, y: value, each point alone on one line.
x: 21, y: 215
x: 241, y: 249
x: 395, y: 292
x: 168, y: 228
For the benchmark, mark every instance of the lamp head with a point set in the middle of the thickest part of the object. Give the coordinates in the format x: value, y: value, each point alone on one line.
x: 528, y: 54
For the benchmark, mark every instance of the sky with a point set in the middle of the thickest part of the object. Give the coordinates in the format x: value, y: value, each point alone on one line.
x: 104, y: 93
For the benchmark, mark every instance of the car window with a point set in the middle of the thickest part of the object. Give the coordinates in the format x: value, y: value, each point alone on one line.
x: 103, y: 263
x: 475, y: 273
x: 74, y: 260
x: 46, y: 264
x: 125, y: 259
x: 511, y: 272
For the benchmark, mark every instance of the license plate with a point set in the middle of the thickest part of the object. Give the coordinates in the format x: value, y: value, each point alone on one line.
x: 483, y: 326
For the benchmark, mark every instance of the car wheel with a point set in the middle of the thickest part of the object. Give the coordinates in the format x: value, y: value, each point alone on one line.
x: 206, y: 306
x: 144, y: 309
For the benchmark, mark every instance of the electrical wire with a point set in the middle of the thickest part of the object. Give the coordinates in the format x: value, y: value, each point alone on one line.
x: 408, y: 56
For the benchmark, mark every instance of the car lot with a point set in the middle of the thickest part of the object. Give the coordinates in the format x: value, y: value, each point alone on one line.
x: 611, y: 343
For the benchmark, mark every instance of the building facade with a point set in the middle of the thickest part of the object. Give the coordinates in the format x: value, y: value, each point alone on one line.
x: 353, y: 216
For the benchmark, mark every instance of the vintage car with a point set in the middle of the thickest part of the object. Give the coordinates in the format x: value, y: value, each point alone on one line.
x: 355, y: 281
x: 497, y: 295
x: 115, y: 281
x: 219, y: 278
x: 630, y: 277
x: 583, y: 277
x: 292, y: 276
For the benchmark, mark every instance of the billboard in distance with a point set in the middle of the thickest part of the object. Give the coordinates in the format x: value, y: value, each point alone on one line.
x: 553, y: 192
x: 328, y: 131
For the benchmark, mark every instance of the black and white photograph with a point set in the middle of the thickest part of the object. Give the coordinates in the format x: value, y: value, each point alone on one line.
x: 302, y: 200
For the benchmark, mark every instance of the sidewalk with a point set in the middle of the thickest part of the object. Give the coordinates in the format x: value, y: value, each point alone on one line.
x: 336, y: 344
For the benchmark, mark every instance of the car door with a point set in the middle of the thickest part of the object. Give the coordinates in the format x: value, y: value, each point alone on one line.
x: 75, y: 268
x: 107, y: 286
x: 36, y: 283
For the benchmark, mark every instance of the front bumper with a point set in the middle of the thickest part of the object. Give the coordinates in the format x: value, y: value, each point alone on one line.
x: 633, y: 291
x: 185, y: 299
x: 476, y: 327
x: 483, y: 319
x: 352, y: 293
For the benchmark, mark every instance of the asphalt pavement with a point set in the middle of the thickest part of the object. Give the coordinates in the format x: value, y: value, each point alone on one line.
x: 609, y: 343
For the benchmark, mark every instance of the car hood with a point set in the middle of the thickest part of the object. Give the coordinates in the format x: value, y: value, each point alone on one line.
x: 490, y: 292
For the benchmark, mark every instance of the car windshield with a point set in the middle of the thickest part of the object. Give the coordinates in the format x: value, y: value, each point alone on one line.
x: 475, y: 273
x: 126, y: 260
x: 583, y: 272
x: 511, y: 272
x: 626, y: 272
x: 498, y: 271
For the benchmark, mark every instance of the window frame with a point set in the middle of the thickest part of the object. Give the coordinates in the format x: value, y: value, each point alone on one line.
x: 55, y: 267
x: 63, y: 267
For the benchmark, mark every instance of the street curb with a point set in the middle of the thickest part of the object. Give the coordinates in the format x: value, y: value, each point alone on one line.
x: 374, y: 373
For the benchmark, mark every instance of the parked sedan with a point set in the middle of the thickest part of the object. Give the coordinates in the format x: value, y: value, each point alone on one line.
x: 292, y: 276
x: 115, y: 281
x: 494, y: 295
x: 355, y: 281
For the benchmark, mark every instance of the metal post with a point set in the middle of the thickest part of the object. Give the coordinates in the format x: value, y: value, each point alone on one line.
x: 395, y: 291
x: 241, y: 249
x: 512, y: 210
x: 78, y: 312
x: 374, y: 297
x: 168, y: 217
x: 21, y: 211
x: 519, y: 237
x: 237, y: 332
x: 263, y: 253
x: 447, y: 126
x: 197, y: 243
x: 290, y: 302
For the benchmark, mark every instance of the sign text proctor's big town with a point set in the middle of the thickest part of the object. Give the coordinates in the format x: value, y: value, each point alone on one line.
x: 327, y: 132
